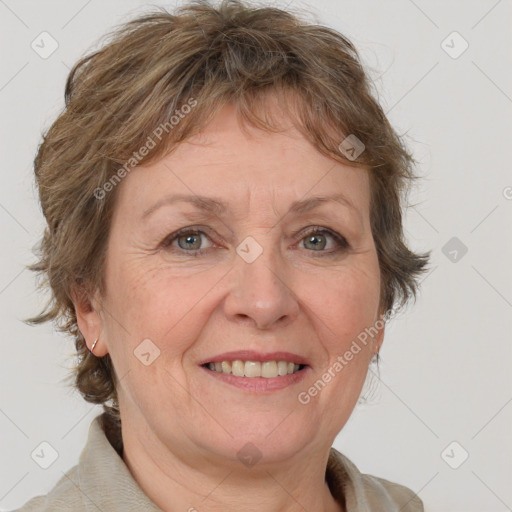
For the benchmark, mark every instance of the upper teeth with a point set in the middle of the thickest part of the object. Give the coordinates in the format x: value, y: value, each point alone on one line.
x: 268, y: 369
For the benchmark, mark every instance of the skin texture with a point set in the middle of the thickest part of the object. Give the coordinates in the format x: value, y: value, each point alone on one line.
x: 182, y: 427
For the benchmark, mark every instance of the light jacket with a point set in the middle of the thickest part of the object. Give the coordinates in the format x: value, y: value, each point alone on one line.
x: 101, y: 481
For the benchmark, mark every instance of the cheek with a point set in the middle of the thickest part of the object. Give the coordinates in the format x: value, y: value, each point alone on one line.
x: 344, y: 306
x: 161, y: 304
x: 346, y: 303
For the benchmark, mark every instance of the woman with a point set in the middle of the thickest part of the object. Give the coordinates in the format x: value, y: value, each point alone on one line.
x: 224, y: 242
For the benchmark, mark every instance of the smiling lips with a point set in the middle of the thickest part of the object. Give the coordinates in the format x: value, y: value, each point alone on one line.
x: 266, y: 369
x: 253, y: 364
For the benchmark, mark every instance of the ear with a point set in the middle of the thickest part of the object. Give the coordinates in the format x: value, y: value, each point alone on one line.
x: 89, y: 319
x: 380, y: 324
x: 379, y: 339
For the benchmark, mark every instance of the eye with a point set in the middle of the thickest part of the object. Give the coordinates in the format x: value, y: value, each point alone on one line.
x: 316, y: 239
x: 188, y: 240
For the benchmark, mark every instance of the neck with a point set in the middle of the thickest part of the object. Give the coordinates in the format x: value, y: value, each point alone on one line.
x: 183, y: 481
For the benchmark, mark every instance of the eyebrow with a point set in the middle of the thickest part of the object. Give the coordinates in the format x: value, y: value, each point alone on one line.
x: 216, y: 206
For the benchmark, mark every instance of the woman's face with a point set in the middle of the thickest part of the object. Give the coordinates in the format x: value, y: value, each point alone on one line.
x: 266, y: 282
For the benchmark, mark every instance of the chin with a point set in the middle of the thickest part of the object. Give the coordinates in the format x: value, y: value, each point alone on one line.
x: 268, y: 438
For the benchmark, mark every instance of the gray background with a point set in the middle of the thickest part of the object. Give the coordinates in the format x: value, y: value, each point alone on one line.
x: 445, y: 373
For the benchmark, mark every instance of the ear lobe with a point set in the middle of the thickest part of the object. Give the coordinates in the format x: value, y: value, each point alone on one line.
x: 379, y: 339
x: 381, y: 322
x: 88, y: 319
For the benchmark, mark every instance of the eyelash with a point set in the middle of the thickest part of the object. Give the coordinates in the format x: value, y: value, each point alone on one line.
x: 343, y: 245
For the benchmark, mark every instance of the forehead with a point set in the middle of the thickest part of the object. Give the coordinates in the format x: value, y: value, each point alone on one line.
x: 230, y: 166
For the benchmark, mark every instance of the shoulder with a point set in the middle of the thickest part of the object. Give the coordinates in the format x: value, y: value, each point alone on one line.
x: 100, y: 481
x: 64, y: 496
x: 72, y: 490
x: 366, y: 492
x: 399, y: 496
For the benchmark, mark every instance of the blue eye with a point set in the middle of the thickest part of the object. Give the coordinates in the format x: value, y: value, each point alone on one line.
x: 189, y: 241
x: 318, y: 237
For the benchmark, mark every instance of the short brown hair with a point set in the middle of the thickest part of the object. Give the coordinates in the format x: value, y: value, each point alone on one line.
x: 150, y: 68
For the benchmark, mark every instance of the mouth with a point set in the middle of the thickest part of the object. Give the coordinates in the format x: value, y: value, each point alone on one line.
x: 256, y: 371
x: 253, y: 369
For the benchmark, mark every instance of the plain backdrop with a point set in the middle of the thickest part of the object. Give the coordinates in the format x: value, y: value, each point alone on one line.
x: 441, y: 419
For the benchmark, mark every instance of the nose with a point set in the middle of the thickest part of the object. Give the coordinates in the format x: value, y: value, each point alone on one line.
x: 261, y: 294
